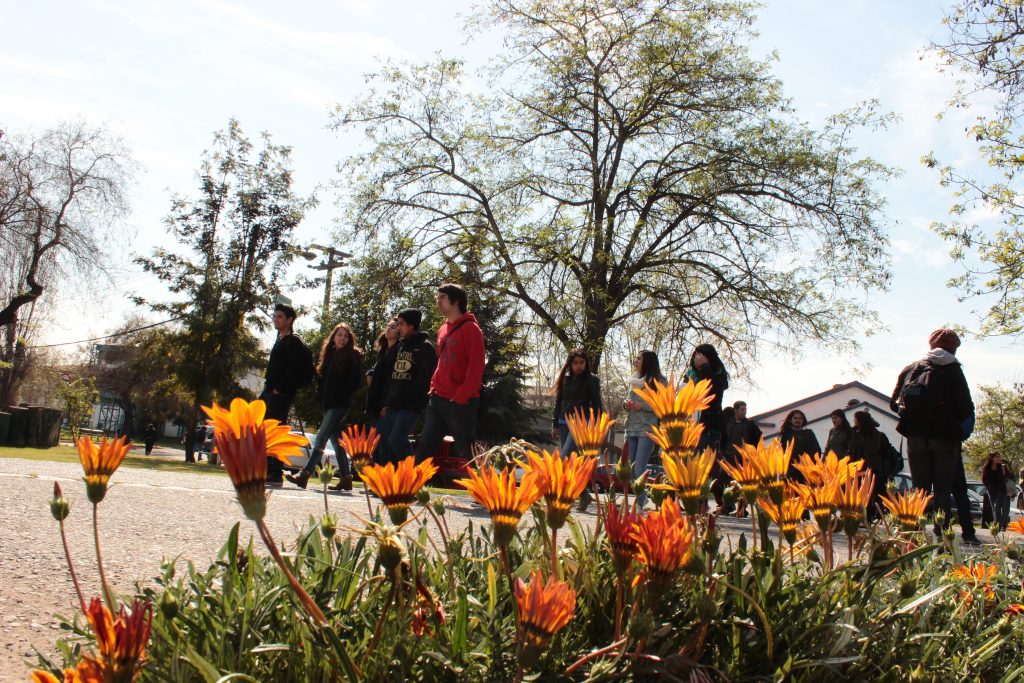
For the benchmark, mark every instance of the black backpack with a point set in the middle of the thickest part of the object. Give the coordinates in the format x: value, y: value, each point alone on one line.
x: 920, y: 396
x: 891, y: 458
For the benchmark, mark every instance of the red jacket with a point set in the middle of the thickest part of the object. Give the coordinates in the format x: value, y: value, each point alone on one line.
x: 460, y: 360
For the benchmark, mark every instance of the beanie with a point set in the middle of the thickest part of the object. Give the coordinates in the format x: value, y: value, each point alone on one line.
x: 944, y: 338
x: 411, y: 316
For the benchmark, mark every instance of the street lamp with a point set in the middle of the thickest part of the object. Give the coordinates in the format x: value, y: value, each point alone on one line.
x: 334, y: 258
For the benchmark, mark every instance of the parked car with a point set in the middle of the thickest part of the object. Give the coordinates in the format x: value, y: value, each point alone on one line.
x: 903, y: 482
x: 299, y: 460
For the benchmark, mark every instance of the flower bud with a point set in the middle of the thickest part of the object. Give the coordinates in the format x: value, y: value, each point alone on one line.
x: 59, y: 506
x: 907, y: 589
x: 423, y: 496
x: 391, y: 550
x: 657, y: 496
x: 168, y: 605
x: 325, y: 473
x: 328, y: 526
x: 1005, y: 627
x: 641, y: 625
x: 694, y: 563
x: 639, y: 485
x: 438, y: 505
x: 624, y: 472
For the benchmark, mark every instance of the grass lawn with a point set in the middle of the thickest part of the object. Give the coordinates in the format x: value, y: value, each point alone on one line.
x: 69, y: 454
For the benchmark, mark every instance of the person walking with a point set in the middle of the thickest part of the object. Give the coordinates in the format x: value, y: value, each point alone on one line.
x: 1001, y: 485
x: 455, y: 386
x: 872, y: 446
x: 639, y: 415
x: 407, y: 387
x: 149, y: 438
x: 705, y: 364
x: 933, y: 401
x: 840, y: 435
x: 739, y: 430
x: 386, y: 347
x: 575, y: 388
x: 339, y: 371
x: 289, y: 368
x: 794, y: 431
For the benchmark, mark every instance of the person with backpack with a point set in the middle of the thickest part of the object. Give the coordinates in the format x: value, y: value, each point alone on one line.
x: 872, y: 446
x: 1001, y: 485
x: 458, y: 379
x: 933, y: 401
x: 339, y: 373
x: 289, y: 368
x: 409, y: 370
x: 840, y: 435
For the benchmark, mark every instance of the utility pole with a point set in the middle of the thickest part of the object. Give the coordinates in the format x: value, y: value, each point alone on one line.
x: 333, y: 259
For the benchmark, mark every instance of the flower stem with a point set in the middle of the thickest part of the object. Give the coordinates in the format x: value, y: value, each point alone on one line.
x: 620, y: 594
x: 554, y: 553
x: 71, y: 567
x: 378, y: 629
x: 108, y: 597
x: 447, y: 548
x: 300, y: 592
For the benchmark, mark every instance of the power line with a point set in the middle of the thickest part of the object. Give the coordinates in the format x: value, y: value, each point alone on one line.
x: 109, y: 336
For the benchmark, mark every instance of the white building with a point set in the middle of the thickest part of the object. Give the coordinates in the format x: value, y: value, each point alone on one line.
x: 849, y: 398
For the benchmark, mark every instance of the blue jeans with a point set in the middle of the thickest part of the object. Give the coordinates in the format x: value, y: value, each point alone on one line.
x: 640, y: 450
x: 394, y: 427
x: 566, y: 445
x: 330, y: 429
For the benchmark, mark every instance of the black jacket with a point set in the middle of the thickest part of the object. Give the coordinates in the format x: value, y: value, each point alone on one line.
x: 738, y: 433
x: 711, y: 417
x: 870, y: 446
x: 339, y: 381
x: 839, y: 441
x: 953, y: 398
x: 578, y: 391
x: 379, y: 377
x: 290, y: 366
x: 409, y: 375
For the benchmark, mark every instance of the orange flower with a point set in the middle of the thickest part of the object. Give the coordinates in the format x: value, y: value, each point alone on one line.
x: 88, y: 670
x: 772, y: 461
x: 544, y: 610
x: 806, y: 536
x: 620, y: 527
x: 818, y: 470
x: 663, y: 541
x: 360, y: 443
x: 1014, y: 609
x: 1016, y: 526
x: 561, y: 481
x: 427, y: 608
x: 675, y: 406
x: 500, y: 495
x: 397, y: 486
x: 99, y: 462
x: 588, y: 432
x: 688, y: 476
x: 907, y: 506
x: 746, y: 475
x: 244, y: 441
x: 786, y: 514
x: 820, y: 500
x: 979, y: 575
x: 854, y: 498
x: 678, y: 440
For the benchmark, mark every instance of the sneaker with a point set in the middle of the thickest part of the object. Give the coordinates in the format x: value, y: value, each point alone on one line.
x: 970, y: 540
x: 585, y: 499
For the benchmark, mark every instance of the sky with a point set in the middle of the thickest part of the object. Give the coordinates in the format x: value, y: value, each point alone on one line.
x: 164, y: 76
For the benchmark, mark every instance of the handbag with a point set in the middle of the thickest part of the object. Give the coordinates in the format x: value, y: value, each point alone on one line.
x: 1011, y: 488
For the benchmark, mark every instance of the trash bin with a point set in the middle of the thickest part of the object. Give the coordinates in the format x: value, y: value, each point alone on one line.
x: 5, y: 427
x: 19, y: 423
x: 35, y: 414
x: 49, y: 428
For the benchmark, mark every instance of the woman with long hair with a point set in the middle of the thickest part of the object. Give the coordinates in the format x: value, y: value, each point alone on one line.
x: 339, y: 372
x: 639, y: 415
x: 840, y: 435
x: 377, y: 377
x: 706, y: 364
x: 869, y: 444
x: 575, y: 388
x: 795, y: 431
x: 1000, y: 483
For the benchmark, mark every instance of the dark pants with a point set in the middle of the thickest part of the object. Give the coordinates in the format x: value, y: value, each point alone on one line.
x: 963, y: 503
x: 278, y: 406
x: 394, y: 427
x: 149, y: 445
x: 445, y: 417
x: 933, y: 463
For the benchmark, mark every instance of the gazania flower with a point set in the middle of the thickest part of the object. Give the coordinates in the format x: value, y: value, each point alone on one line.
x: 688, y: 476
x: 979, y: 575
x: 853, y: 500
x: 360, y: 443
x: 818, y: 470
x: 1016, y: 526
x: 621, y: 527
x: 746, y: 475
x: 786, y: 514
x: 674, y: 406
x: 907, y: 506
x: 772, y: 461
x: 99, y: 462
x: 820, y: 500
x: 561, y: 481
x: 679, y: 440
x: 1014, y: 609
x: 544, y: 610
x: 428, y: 608
x: 500, y: 495
x: 244, y: 441
x: 88, y: 670
x: 806, y: 536
x: 121, y: 641
x: 588, y: 432
x: 397, y: 486
x: 663, y: 541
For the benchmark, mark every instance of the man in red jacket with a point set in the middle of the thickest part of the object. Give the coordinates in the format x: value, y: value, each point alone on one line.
x: 455, y: 386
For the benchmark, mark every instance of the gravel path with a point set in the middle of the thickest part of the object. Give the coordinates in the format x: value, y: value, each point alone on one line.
x: 146, y: 517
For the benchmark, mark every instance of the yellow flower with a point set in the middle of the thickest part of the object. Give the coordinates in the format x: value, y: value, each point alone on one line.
x: 746, y: 475
x: 786, y: 514
x: 663, y: 539
x: 688, y: 476
x: 397, y: 486
x: 561, y: 481
x: 544, y: 610
x: 820, y: 500
x: 99, y: 462
x: 673, y: 406
x: 772, y: 462
x: 818, y: 470
x: 244, y: 441
x: 680, y: 440
x: 359, y: 443
x: 500, y: 495
x: 590, y: 432
x: 854, y: 498
x: 907, y: 506
x: 1016, y: 526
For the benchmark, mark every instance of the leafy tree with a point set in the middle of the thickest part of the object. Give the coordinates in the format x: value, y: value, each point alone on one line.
x: 634, y: 160
x: 999, y: 427
x: 986, y: 45
x: 79, y: 397
x: 235, y: 236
